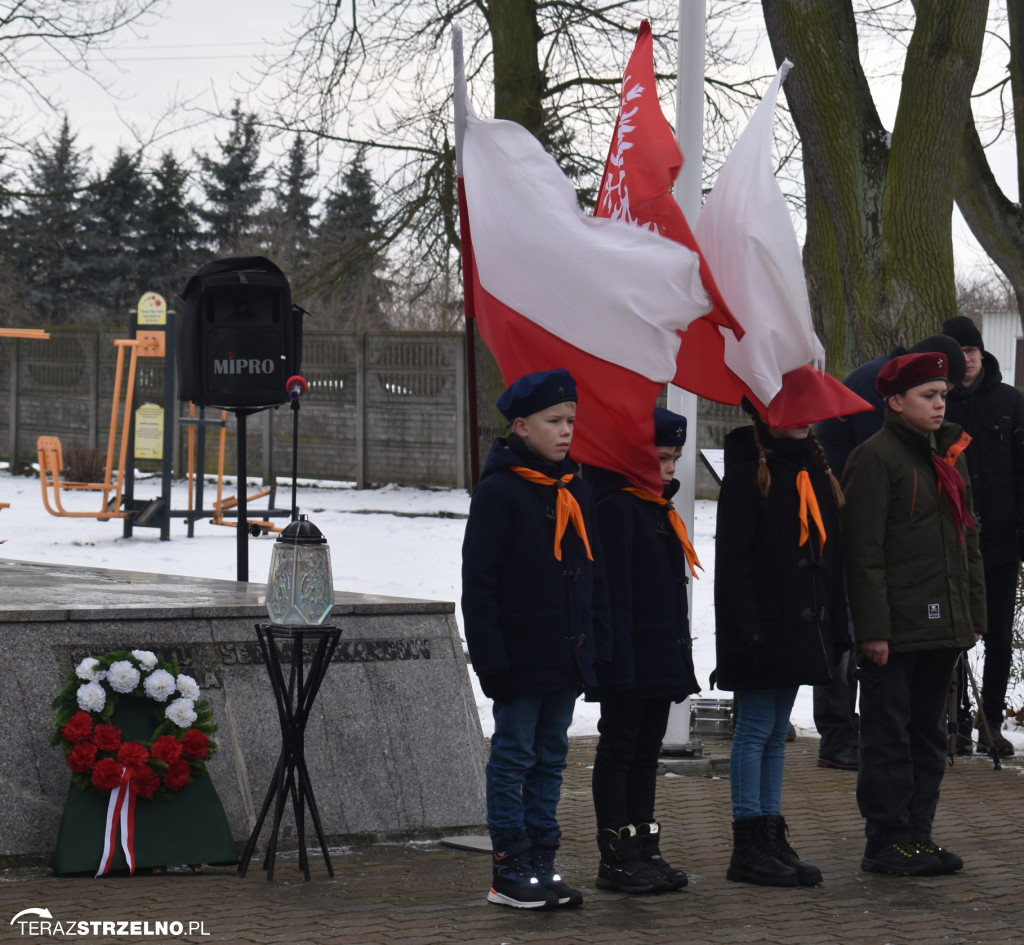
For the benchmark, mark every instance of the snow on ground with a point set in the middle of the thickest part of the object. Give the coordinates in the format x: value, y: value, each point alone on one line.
x: 409, y: 545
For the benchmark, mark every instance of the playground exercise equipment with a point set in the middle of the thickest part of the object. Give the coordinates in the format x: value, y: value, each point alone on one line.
x: 38, y: 333
x: 155, y: 339
x: 195, y: 482
x: 51, y: 455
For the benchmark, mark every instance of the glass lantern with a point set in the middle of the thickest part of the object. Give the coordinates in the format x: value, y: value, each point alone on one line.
x: 300, y: 588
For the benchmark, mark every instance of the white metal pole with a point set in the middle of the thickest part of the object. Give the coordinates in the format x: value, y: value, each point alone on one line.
x: 690, y: 134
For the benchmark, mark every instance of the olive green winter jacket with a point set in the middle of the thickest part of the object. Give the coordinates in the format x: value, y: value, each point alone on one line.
x: 910, y: 578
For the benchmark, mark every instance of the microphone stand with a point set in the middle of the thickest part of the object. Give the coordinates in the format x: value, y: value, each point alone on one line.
x: 296, y: 388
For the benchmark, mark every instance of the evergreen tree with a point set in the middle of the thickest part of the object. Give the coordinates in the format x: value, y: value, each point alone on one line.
x: 172, y: 229
x: 52, y: 223
x: 350, y: 290
x: 12, y: 287
x: 291, y: 218
x: 233, y: 187
x: 115, y: 264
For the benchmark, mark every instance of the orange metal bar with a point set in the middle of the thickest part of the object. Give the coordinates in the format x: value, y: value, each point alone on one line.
x: 24, y: 333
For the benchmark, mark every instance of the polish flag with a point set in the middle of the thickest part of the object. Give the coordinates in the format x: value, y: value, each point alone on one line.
x: 745, y: 237
x: 551, y: 287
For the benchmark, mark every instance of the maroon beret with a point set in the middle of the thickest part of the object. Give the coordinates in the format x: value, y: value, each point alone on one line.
x: 910, y: 370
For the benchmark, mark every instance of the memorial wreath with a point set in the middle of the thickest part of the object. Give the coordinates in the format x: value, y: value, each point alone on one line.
x: 101, y: 760
x: 96, y: 752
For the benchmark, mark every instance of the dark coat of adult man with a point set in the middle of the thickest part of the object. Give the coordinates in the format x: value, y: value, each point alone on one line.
x: 993, y: 414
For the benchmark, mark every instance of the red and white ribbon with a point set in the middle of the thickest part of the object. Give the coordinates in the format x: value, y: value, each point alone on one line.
x: 120, y: 813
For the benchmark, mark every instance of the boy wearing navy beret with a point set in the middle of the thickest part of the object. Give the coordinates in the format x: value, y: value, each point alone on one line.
x: 648, y: 555
x: 535, y: 614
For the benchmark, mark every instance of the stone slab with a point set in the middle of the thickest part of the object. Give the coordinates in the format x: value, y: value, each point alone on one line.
x: 394, y: 745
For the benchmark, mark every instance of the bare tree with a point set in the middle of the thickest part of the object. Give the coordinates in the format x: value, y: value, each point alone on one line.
x: 996, y: 220
x: 68, y: 30
x: 377, y: 76
x: 879, y: 252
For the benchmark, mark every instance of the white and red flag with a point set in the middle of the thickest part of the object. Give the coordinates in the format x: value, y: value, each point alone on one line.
x: 551, y: 287
x: 745, y: 237
x: 643, y: 162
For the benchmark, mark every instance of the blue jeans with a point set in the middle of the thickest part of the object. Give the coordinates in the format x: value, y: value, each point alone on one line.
x: 524, y: 772
x: 759, y: 751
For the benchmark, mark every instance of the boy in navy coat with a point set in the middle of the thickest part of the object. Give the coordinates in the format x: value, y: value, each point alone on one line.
x: 535, y: 615
x: 647, y: 553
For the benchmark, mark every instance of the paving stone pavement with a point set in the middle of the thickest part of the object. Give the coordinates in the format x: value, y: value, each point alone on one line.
x: 425, y: 893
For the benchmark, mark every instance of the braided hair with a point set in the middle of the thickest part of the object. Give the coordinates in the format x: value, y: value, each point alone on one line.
x: 764, y: 476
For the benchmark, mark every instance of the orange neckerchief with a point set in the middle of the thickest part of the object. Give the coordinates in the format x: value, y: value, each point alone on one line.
x: 566, y: 508
x: 676, y: 520
x: 808, y: 502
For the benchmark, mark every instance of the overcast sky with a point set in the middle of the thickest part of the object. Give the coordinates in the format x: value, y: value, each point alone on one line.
x: 204, y: 51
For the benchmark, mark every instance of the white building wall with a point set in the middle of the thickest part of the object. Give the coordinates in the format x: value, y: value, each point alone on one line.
x: 1000, y: 331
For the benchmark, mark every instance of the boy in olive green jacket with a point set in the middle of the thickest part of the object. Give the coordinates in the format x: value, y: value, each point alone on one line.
x: 916, y: 589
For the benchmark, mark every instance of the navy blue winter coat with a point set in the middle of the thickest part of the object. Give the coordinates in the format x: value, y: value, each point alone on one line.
x: 780, y: 608
x: 524, y: 611
x: 992, y: 413
x: 647, y: 576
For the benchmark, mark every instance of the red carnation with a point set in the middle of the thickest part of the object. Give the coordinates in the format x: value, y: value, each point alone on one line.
x: 107, y: 737
x: 82, y: 757
x: 106, y: 775
x: 78, y: 727
x: 196, y: 743
x: 167, y: 749
x: 133, y: 754
x: 178, y: 775
x: 144, y: 782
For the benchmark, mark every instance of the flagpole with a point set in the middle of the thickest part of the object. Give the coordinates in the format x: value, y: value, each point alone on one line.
x: 467, y: 280
x: 690, y: 135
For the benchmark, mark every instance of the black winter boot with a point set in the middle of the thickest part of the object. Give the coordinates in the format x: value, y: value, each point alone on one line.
x: 807, y: 874
x: 542, y: 856
x: 650, y: 849
x: 514, y: 881
x: 752, y: 861
x: 623, y: 867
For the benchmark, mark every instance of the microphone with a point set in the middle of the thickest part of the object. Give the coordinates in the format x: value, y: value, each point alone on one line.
x: 296, y: 386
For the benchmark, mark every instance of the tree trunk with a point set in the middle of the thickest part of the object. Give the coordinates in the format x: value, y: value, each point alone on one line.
x: 996, y: 222
x: 518, y: 82
x: 878, y: 255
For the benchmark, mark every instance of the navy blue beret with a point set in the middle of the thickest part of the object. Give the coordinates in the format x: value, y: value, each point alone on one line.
x: 533, y: 392
x: 669, y: 428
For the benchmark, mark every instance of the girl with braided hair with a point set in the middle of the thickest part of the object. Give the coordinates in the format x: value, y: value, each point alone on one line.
x: 780, y: 616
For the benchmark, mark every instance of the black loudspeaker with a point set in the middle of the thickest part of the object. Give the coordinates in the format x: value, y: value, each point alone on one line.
x: 239, y: 336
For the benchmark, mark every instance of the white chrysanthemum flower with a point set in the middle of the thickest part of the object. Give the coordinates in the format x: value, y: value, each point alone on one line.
x: 123, y: 676
x: 188, y: 687
x: 91, y: 697
x: 89, y: 670
x: 159, y: 685
x: 182, y: 713
x: 146, y: 659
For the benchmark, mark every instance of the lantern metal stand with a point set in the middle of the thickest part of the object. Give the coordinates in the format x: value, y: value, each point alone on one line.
x: 295, y: 696
x: 300, y: 597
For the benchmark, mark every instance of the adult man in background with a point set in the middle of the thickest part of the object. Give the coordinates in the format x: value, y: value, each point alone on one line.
x: 992, y: 413
x: 835, y: 704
